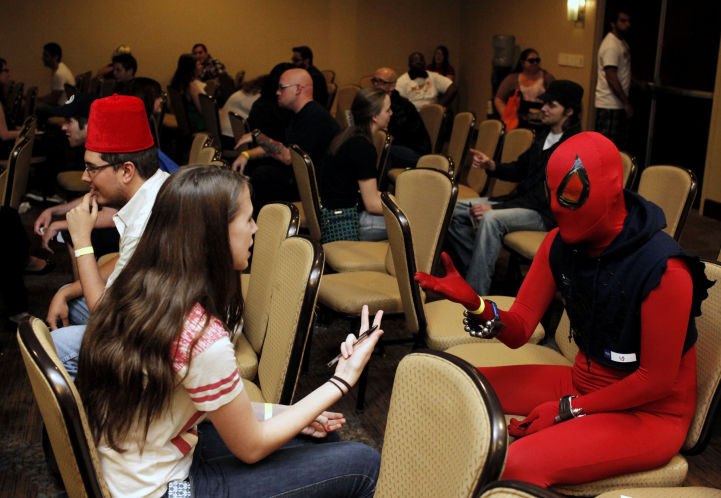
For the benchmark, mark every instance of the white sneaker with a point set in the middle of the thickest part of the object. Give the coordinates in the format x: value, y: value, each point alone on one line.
x: 24, y: 207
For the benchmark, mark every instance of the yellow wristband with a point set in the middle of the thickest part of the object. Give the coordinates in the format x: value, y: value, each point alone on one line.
x: 268, y: 411
x: 480, y: 308
x: 83, y: 251
x: 246, y: 154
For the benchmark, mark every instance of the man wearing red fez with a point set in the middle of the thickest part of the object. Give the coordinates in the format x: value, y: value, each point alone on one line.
x: 121, y: 167
x: 631, y: 294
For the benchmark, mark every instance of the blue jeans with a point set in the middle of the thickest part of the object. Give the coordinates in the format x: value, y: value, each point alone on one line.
x: 478, y: 251
x: 371, y: 226
x: 303, y: 467
x: 67, y: 343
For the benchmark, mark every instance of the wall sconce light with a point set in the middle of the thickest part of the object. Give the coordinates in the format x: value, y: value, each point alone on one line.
x: 576, y: 10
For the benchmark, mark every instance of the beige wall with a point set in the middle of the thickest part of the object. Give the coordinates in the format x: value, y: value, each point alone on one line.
x: 542, y: 26
x: 352, y: 37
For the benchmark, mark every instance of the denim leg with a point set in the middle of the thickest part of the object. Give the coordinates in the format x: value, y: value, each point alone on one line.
x: 371, y: 226
x: 491, y: 228
x: 303, y: 467
x: 67, y: 343
x: 461, y: 230
x: 78, y: 312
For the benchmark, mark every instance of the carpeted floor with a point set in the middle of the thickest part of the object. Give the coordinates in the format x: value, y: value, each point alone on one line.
x: 22, y: 467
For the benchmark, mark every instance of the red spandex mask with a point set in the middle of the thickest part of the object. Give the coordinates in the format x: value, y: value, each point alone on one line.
x: 585, y: 175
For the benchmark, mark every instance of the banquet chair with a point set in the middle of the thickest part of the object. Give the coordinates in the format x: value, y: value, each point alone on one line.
x: 383, y: 142
x: 14, y: 178
x: 239, y: 125
x: 708, y: 366
x: 656, y: 492
x: 509, y: 488
x: 293, y: 297
x: 62, y: 412
x: 276, y: 222
x: 433, y: 161
x: 329, y: 75
x: 343, y: 100
x: 515, y: 143
x: 461, y: 133
x: 673, y: 189
x: 434, y: 390
x: 366, y: 81
x: 473, y: 180
x: 439, y: 324
x: 432, y: 116
x: 211, y: 116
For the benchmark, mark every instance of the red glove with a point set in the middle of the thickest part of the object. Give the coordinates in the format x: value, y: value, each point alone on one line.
x: 452, y: 286
x: 542, y: 416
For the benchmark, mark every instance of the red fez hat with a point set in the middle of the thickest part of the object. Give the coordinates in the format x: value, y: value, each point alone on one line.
x: 118, y: 124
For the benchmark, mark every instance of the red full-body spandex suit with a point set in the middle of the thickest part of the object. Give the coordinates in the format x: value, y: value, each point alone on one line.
x: 634, y: 419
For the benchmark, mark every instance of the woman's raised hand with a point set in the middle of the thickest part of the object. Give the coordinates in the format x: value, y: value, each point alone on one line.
x: 354, y: 356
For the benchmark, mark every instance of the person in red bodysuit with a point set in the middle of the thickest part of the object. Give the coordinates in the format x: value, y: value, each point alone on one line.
x: 627, y: 402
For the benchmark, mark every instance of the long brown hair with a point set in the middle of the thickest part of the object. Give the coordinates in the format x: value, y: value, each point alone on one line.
x: 125, y: 371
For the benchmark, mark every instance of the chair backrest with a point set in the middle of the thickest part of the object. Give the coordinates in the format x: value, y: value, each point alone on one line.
x: 427, y: 197
x: 238, y: 124
x: 366, y: 81
x: 509, y: 488
x: 344, y: 99
x: 16, y: 174
x: 438, y: 162
x: 62, y: 412
x: 177, y: 103
x: 489, y: 136
x: 515, y: 143
x: 276, y: 222
x: 332, y: 91
x: 107, y: 87
x: 630, y: 170
x: 201, y: 141
x: 431, y: 390
x: 382, y: 141
x: 432, y: 116
x: 329, y: 76
x: 304, y: 172
x: 292, y: 303
x: 708, y: 364
x: 211, y: 116
x: 673, y: 189
x: 463, y: 124
x: 30, y: 100
x: 82, y: 81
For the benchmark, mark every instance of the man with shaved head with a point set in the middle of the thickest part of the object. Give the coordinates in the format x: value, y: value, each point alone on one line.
x: 311, y: 128
x: 410, y: 138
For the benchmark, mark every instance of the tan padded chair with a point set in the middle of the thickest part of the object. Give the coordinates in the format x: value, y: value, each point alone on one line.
x: 439, y: 162
x: 82, y: 81
x: 200, y: 141
x: 428, y: 198
x: 473, y: 180
x: 432, y: 116
x: 276, y: 222
x: 107, y: 87
x: 329, y: 76
x: 14, y: 178
x: 445, y: 434
x: 62, y: 412
x: 630, y: 170
x: 463, y: 125
x: 516, y: 489
x: 366, y: 81
x: 211, y: 116
x: 384, y: 150
x: 238, y: 124
x: 515, y: 143
x: 686, y: 492
x: 72, y: 181
x: 708, y: 365
x: 293, y: 297
x: 673, y: 189
x: 305, y: 177
x: 438, y: 324
x: 344, y: 98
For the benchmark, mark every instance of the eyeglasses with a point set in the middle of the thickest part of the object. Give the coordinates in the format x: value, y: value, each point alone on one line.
x: 283, y: 87
x: 534, y: 60
x: 379, y: 81
x: 93, y: 170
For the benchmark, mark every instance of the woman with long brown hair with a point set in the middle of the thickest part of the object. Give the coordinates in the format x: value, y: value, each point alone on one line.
x: 156, y: 360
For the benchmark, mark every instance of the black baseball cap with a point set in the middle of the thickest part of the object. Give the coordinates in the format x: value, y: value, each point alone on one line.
x: 565, y: 92
x: 77, y: 106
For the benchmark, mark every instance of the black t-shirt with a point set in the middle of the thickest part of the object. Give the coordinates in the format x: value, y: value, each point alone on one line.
x: 312, y: 129
x: 355, y: 160
x: 320, y: 86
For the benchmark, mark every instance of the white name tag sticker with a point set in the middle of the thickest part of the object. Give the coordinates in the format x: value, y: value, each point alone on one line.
x: 623, y: 357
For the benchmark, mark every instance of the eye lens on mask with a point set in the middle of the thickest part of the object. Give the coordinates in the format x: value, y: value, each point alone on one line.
x: 573, y: 190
